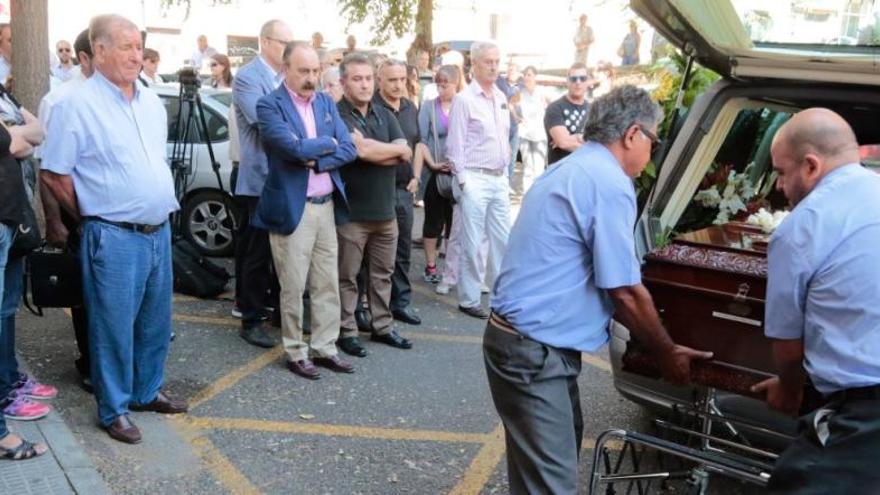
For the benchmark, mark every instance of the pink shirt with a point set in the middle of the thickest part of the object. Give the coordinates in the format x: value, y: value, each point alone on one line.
x: 479, y: 129
x: 320, y: 184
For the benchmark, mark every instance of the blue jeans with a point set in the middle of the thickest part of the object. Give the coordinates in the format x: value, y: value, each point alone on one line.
x: 12, y: 286
x: 5, y: 242
x: 127, y: 282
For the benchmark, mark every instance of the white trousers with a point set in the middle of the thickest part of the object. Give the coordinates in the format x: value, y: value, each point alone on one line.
x: 485, y: 213
x: 534, y: 158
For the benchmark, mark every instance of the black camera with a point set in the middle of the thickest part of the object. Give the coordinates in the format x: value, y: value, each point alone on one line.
x: 189, y: 80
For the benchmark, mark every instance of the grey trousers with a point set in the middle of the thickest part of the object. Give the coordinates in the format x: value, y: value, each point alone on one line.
x: 846, y: 463
x: 534, y: 387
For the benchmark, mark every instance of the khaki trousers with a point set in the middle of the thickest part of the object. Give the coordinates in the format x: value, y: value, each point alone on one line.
x: 379, y: 240
x: 309, y: 253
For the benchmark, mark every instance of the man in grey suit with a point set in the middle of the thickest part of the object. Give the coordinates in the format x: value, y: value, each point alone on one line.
x: 254, y: 80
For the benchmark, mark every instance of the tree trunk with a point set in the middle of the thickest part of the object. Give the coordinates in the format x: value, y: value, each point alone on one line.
x: 30, y: 51
x: 424, y: 35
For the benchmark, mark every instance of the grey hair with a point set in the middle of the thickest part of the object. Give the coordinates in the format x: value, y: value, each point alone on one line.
x: 101, y: 28
x: 479, y: 48
x: 392, y: 62
x: 354, y: 58
x: 268, y: 28
x: 292, y: 46
x: 612, y: 114
x: 330, y: 75
x: 451, y: 72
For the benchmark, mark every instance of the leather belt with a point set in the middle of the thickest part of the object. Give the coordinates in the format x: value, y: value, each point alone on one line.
x: 142, y: 228
x: 319, y: 200
x: 497, y: 172
x: 860, y: 393
x: 501, y: 324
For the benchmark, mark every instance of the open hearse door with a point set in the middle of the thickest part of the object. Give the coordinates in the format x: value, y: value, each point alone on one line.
x: 704, y: 265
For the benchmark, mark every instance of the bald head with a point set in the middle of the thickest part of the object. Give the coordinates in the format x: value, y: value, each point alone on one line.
x: 809, y: 146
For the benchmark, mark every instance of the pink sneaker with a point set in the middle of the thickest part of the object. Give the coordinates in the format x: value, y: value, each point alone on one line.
x: 23, y: 409
x: 33, y: 389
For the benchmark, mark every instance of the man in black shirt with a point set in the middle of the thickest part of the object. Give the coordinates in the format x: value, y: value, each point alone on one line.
x: 566, y: 117
x: 370, y: 186
x: 392, y: 88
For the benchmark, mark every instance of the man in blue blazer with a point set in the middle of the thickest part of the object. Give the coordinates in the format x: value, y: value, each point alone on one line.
x: 253, y: 277
x: 303, y: 199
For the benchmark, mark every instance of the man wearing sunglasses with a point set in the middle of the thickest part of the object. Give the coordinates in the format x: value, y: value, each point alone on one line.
x: 66, y: 69
x: 565, y: 118
x: 560, y: 283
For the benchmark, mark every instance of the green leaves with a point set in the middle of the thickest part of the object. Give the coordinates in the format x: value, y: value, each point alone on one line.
x: 390, y: 17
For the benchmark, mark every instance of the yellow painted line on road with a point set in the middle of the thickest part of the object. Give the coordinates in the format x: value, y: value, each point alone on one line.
x: 431, y: 293
x: 230, y: 379
x: 210, y: 320
x: 482, y: 466
x: 223, y: 470
x: 442, y: 337
x: 333, y: 430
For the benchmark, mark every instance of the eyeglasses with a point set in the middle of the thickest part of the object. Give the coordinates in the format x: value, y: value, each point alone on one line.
x: 574, y: 79
x: 656, y: 142
x: 64, y: 50
x: 276, y: 40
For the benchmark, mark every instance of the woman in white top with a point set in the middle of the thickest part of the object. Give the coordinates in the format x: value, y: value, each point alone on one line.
x: 532, y: 138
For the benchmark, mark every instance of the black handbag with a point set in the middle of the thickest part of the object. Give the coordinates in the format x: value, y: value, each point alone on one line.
x: 26, y: 236
x: 54, y: 279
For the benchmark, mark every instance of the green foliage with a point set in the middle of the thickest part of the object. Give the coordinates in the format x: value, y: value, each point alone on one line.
x: 670, y: 76
x: 389, y: 17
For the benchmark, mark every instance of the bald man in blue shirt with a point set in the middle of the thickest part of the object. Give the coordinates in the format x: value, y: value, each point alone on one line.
x: 823, y: 307
x: 570, y: 264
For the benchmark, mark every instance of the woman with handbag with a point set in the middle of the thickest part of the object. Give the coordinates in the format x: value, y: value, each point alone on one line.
x: 433, y: 125
x: 14, y: 202
x: 17, y: 390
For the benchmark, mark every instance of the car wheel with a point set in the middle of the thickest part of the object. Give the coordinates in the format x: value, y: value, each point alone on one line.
x: 207, y: 224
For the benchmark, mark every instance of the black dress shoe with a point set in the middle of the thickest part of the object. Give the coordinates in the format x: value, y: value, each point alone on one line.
x: 334, y: 363
x: 258, y: 336
x: 406, y: 315
x: 304, y: 368
x: 475, y: 311
x: 162, y: 404
x: 363, y: 320
x: 124, y: 430
x: 352, y: 346
x: 393, y: 339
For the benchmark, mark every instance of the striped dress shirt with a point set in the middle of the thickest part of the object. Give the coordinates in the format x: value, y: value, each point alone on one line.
x: 479, y: 125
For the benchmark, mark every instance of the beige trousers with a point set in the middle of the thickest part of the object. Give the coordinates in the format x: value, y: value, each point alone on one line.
x: 379, y: 239
x: 309, y: 254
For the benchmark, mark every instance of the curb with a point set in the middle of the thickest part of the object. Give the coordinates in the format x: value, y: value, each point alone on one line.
x: 70, y: 455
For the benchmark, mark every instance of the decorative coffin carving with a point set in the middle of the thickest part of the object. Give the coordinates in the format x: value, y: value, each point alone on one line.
x: 709, y: 288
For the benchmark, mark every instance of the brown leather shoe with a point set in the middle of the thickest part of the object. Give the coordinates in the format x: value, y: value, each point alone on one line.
x: 124, y: 430
x: 334, y: 363
x: 162, y: 404
x: 304, y: 368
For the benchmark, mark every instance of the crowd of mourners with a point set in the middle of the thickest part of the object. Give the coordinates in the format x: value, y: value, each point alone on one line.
x: 332, y: 150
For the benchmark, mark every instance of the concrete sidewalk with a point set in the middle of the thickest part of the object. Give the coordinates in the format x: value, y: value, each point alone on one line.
x: 65, y: 469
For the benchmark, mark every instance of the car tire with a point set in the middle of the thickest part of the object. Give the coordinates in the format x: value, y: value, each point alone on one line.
x: 207, y: 225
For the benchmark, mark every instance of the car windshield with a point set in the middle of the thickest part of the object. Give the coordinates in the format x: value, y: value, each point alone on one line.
x: 842, y: 23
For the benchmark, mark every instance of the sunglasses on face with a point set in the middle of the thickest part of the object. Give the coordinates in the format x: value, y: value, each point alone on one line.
x: 574, y: 79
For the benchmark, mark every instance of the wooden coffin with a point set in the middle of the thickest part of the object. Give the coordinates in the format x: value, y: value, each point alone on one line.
x: 709, y: 288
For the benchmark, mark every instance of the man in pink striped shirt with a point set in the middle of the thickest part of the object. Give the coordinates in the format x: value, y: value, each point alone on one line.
x: 478, y: 147
x: 306, y: 143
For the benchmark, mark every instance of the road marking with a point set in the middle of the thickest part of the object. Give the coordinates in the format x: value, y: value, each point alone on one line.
x: 482, y: 466
x: 210, y: 320
x: 431, y: 293
x: 230, y: 379
x: 325, y: 429
x: 223, y: 470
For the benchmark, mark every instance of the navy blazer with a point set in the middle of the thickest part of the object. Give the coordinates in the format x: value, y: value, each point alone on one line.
x: 283, y: 133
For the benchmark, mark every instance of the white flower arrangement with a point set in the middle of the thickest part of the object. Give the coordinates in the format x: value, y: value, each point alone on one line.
x: 731, y: 200
x: 766, y: 220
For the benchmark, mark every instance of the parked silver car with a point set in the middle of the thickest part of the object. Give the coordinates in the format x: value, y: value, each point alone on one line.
x: 206, y: 223
x: 774, y: 61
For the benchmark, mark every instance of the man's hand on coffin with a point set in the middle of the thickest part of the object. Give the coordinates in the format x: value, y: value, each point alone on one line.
x: 676, y: 364
x: 635, y: 310
x: 786, y: 399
